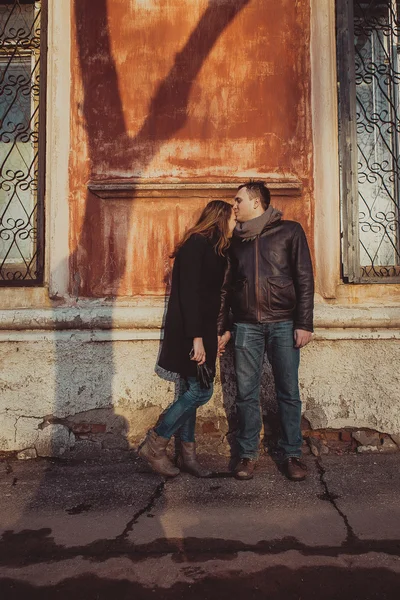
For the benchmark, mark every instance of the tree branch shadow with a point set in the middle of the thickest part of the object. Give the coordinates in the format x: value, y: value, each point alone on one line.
x: 98, y: 260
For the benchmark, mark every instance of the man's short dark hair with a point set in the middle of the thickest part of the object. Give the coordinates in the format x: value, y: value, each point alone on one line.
x: 257, y: 189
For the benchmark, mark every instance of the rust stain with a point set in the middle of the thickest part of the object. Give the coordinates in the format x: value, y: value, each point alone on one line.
x: 162, y: 92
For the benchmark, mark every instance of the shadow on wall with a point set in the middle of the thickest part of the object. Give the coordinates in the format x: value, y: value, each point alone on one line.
x: 84, y: 368
x: 109, y: 143
x: 83, y: 415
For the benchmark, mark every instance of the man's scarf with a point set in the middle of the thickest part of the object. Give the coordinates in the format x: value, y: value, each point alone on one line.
x: 251, y: 229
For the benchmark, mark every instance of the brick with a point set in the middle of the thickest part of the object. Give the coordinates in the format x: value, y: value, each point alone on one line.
x: 98, y: 428
x: 332, y: 436
x: 80, y: 427
x: 345, y: 436
x: 317, y: 434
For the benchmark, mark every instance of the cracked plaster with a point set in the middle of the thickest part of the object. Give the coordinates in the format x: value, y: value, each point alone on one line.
x: 345, y: 383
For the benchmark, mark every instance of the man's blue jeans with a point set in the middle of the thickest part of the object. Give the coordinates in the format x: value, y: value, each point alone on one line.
x: 180, y: 416
x: 251, y: 341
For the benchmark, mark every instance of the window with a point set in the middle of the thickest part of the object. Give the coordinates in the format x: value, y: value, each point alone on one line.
x: 368, y: 45
x: 21, y: 143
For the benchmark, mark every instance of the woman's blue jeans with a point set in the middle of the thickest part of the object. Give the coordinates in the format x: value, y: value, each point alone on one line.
x: 251, y: 341
x: 180, y: 416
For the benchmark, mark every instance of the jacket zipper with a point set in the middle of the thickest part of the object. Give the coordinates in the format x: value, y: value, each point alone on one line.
x: 257, y: 290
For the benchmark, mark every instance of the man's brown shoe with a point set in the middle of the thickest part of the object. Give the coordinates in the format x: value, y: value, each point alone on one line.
x: 245, y: 469
x: 295, y: 469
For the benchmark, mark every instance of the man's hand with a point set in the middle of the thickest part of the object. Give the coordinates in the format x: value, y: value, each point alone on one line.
x: 222, y: 342
x: 301, y: 338
x: 199, y: 353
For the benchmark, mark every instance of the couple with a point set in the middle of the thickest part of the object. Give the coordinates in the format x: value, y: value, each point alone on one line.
x: 245, y: 262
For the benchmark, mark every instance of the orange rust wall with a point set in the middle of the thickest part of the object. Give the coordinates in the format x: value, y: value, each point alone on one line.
x: 179, y: 90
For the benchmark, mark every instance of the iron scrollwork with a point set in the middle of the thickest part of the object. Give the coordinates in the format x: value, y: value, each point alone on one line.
x: 21, y: 207
x: 377, y: 79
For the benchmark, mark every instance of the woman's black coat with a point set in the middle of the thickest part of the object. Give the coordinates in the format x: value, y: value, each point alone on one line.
x: 193, y: 305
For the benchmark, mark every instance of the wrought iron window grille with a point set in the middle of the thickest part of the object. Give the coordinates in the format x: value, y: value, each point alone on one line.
x: 368, y: 43
x: 22, y: 141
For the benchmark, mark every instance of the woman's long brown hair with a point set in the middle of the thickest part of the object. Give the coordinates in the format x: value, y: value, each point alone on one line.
x: 213, y: 222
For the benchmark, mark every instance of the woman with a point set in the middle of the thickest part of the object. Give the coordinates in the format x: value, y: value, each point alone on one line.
x: 190, y: 335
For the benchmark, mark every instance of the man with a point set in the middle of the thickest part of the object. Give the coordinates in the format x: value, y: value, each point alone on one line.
x: 269, y: 289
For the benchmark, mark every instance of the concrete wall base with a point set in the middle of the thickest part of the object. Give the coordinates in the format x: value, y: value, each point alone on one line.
x: 108, y: 393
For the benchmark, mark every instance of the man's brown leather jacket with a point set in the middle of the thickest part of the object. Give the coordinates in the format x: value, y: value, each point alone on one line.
x: 269, y: 278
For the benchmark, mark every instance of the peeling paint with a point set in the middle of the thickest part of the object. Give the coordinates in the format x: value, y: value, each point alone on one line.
x: 215, y: 92
x: 126, y: 398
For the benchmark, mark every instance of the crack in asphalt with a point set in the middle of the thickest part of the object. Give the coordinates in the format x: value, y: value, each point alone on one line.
x: 351, y: 537
x: 19, y: 549
x: 38, y: 546
x: 147, y: 508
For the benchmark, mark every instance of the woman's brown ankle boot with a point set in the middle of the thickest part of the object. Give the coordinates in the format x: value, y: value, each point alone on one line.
x: 187, y: 460
x: 153, y: 450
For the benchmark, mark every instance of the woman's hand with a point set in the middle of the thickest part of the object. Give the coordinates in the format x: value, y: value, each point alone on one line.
x: 199, y: 354
x: 222, y: 342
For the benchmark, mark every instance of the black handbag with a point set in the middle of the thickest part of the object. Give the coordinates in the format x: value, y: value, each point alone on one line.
x: 204, y: 376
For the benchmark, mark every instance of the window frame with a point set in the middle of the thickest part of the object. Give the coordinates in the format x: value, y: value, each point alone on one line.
x: 348, y: 149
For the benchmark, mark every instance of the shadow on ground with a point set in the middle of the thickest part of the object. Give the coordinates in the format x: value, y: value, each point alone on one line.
x: 279, y: 583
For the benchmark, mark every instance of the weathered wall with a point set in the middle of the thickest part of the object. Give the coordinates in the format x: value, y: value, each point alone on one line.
x: 166, y: 93
x: 43, y: 382
x: 179, y: 91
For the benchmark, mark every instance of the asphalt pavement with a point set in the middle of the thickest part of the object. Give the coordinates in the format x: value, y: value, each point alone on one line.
x: 110, y: 529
